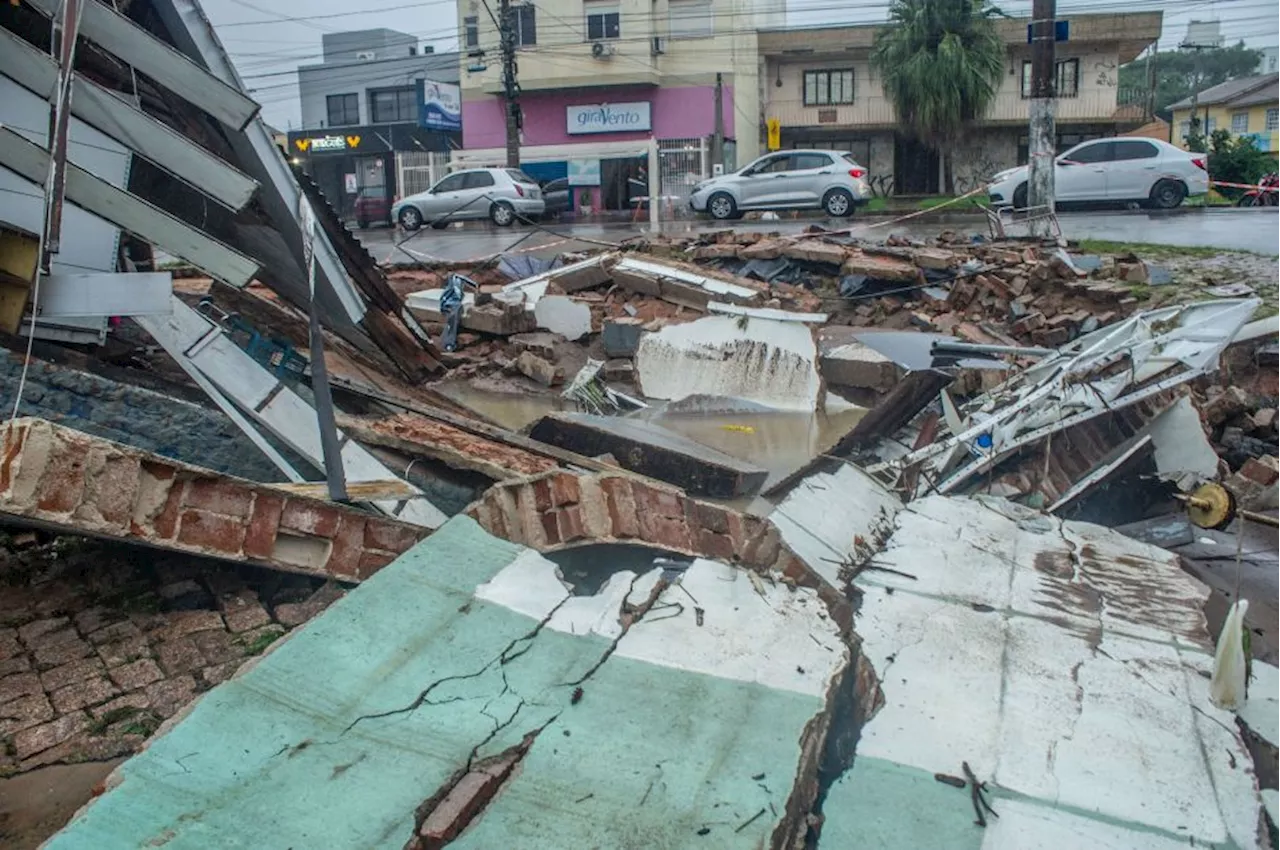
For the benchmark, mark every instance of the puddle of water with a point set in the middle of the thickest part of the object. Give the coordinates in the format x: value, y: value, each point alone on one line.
x: 780, y: 442
x: 511, y: 410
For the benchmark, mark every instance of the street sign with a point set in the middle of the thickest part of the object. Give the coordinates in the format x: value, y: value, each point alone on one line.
x: 774, y: 127
x: 1061, y: 31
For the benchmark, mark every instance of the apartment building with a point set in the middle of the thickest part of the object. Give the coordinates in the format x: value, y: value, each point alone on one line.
x: 603, y: 81
x: 1248, y: 106
x: 374, y: 110
x: 820, y: 85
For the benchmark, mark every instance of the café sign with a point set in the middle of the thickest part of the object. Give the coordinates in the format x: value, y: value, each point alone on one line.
x: 608, y: 118
x: 326, y: 144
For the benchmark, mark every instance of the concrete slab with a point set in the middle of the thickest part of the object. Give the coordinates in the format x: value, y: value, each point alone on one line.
x: 774, y: 363
x: 652, y: 450
x: 1066, y: 664
x: 562, y: 315
x: 467, y: 674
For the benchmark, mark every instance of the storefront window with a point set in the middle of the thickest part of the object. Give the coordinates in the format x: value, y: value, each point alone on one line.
x: 391, y: 106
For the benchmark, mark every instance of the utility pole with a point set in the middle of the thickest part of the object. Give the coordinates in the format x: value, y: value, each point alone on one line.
x: 717, y: 140
x: 1042, y: 133
x: 510, y: 88
x: 1194, y: 129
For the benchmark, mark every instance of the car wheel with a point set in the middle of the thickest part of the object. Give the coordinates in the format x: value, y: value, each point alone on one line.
x: 410, y: 218
x: 838, y: 203
x: 502, y: 214
x: 1167, y: 194
x: 1020, y: 197
x: 722, y: 206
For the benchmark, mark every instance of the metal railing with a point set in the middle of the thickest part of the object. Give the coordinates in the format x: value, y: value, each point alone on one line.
x: 878, y: 111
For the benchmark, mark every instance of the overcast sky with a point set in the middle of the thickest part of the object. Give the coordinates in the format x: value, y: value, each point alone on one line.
x: 267, y: 46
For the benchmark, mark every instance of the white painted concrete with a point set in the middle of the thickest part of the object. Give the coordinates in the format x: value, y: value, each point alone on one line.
x: 1261, y: 711
x: 752, y: 631
x: 824, y: 515
x: 774, y: 363
x: 529, y: 585
x: 562, y: 315
x: 1065, y: 663
x: 1182, y: 451
x: 767, y: 313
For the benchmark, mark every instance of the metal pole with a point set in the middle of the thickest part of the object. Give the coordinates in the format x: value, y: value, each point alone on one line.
x: 1042, y: 134
x: 325, y: 419
x: 976, y: 348
x: 717, y: 140
x: 655, y: 182
x: 510, y: 88
x: 59, y: 127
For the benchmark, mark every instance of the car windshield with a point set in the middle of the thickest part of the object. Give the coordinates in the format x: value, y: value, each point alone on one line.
x: 520, y: 177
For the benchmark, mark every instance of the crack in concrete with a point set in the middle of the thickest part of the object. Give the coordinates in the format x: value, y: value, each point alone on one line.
x: 500, y: 659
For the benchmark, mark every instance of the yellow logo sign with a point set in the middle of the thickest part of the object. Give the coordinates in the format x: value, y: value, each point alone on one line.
x: 774, y: 128
x: 353, y: 141
x: 302, y: 144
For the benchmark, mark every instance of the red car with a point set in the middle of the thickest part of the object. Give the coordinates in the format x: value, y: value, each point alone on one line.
x: 372, y: 207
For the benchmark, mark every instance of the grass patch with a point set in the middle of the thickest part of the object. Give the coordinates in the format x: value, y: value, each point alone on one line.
x: 876, y: 205
x: 259, y: 644
x: 1102, y: 246
x: 971, y: 202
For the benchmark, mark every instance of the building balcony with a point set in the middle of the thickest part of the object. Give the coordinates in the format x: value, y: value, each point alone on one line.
x: 876, y: 112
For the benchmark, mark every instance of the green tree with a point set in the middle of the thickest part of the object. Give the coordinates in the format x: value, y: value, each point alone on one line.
x: 1177, y: 72
x: 1236, y: 160
x: 941, y: 63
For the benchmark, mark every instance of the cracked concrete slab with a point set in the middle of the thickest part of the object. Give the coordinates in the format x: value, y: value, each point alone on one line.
x: 677, y: 703
x: 1066, y: 664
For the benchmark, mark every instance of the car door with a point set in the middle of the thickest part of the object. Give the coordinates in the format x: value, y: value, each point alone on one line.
x: 477, y: 189
x: 443, y: 197
x: 1134, y: 169
x: 1081, y: 173
x: 810, y: 176
x: 756, y: 184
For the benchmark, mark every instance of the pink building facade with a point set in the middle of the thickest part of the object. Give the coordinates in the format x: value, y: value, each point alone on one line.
x: 567, y: 133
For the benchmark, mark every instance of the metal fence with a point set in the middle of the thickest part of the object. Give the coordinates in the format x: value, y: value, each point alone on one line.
x: 418, y: 171
x: 682, y: 163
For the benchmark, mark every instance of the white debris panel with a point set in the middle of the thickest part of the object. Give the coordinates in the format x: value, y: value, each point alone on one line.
x: 762, y: 360
x: 1100, y: 372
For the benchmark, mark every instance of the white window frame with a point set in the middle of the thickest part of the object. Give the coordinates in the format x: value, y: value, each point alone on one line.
x: 602, y: 9
x: 1273, y: 119
x: 690, y: 19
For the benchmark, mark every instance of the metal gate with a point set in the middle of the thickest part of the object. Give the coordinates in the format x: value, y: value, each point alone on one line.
x: 682, y: 163
x: 418, y: 171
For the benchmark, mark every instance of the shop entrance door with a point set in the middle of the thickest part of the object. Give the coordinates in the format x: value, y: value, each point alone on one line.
x: 370, y: 190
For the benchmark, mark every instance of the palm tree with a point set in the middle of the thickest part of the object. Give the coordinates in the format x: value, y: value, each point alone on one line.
x: 941, y: 62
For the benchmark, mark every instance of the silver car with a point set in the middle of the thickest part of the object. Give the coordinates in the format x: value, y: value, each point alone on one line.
x: 831, y: 181
x: 501, y: 195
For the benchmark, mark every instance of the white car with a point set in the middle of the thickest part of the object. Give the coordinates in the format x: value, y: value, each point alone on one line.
x: 831, y: 181
x: 499, y: 194
x: 1105, y: 170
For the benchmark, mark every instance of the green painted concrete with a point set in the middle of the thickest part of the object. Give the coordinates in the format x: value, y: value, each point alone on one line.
x: 649, y: 757
x: 879, y: 805
x: 264, y: 761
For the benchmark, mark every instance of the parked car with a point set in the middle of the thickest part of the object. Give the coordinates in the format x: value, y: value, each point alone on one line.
x: 555, y: 195
x: 1108, y: 170
x: 831, y: 181
x: 372, y: 207
x: 499, y: 194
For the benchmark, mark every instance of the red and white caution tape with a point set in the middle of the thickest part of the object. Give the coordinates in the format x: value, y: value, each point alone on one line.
x: 1245, y: 186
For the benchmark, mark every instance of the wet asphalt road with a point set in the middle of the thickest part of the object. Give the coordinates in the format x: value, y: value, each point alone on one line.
x: 1253, y: 230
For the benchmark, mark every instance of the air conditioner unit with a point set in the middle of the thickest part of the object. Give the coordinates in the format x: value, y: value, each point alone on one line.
x: 659, y: 46
x: 600, y: 50
x: 366, y: 55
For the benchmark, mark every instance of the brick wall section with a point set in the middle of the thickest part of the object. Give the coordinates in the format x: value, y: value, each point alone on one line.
x: 560, y: 510
x: 85, y: 485
x: 98, y: 646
